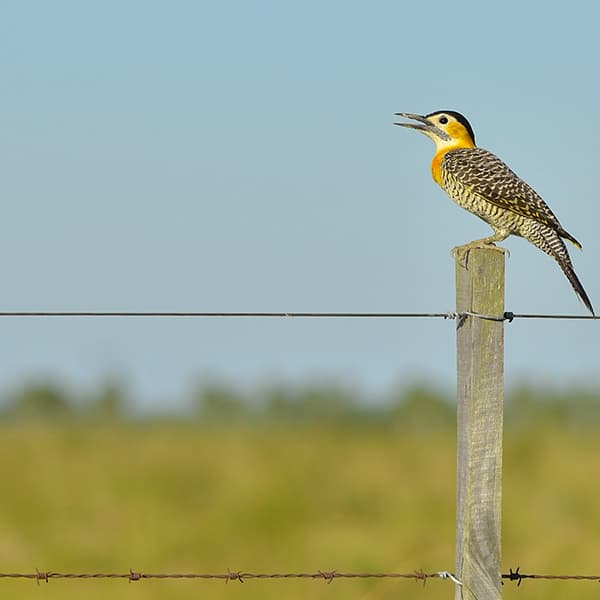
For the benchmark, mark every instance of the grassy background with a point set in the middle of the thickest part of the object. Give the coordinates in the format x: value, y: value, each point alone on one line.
x: 165, y: 496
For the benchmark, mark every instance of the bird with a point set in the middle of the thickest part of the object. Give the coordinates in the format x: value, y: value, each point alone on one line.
x: 480, y: 182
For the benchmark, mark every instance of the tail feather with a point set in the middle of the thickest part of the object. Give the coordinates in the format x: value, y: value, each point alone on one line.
x: 550, y: 242
x: 567, y: 269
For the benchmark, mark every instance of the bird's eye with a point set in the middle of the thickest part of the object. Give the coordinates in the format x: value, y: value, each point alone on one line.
x: 443, y: 119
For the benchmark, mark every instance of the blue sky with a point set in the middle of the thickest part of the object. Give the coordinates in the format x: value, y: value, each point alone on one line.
x: 241, y: 156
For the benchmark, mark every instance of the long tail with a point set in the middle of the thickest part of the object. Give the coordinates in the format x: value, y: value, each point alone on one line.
x: 550, y: 242
x: 567, y: 269
x: 574, y: 280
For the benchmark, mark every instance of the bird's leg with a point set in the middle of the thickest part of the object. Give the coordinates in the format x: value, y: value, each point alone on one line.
x: 461, y: 253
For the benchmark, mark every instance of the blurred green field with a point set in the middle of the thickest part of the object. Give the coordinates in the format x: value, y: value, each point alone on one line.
x: 173, y: 497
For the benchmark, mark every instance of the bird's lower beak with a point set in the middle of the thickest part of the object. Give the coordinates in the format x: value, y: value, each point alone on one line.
x: 426, y: 124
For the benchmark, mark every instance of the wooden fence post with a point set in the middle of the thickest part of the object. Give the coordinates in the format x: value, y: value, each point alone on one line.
x: 480, y: 408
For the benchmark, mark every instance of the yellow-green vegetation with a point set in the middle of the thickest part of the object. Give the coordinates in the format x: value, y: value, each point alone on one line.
x: 176, y: 497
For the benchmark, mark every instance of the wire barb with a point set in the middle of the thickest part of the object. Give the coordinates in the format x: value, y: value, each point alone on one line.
x: 234, y: 576
x: 134, y: 576
x: 420, y: 575
x: 41, y: 576
x: 329, y: 576
x: 515, y: 576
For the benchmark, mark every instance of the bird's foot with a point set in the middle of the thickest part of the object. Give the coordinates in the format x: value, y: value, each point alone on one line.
x: 461, y: 253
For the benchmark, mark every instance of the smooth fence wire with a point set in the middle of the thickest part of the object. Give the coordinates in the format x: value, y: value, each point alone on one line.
x: 507, y: 316
x: 223, y: 314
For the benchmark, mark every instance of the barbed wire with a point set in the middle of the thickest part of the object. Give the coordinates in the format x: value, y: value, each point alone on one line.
x: 328, y: 576
x: 240, y: 576
x: 517, y: 576
x: 506, y: 316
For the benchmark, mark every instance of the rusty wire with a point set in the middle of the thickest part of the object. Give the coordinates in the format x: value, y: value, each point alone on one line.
x: 327, y: 576
x: 240, y: 576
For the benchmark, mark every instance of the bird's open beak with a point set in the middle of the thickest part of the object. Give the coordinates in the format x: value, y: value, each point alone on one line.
x: 427, y: 126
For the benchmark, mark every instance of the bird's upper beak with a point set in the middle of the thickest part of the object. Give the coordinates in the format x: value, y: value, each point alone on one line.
x: 426, y: 126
